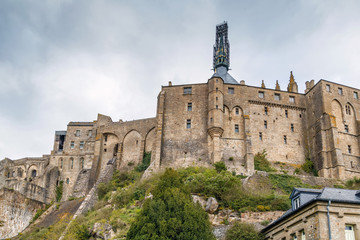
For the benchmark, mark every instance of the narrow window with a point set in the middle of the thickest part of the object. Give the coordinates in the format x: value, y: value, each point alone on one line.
x: 72, y: 163
x: 265, y: 124
x: 340, y: 91
x: 211, y: 120
x: 351, y: 164
x: 81, y: 145
x: 188, y: 123
x: 294, y: 237
x: 187, y: 90
x: 106, y: 137
x: 105, y: 150
x: 296, y: 203
x: 300, y: 116
x: 61, y: 163
x: 89, y: 133
x: 292, y: 99
x: 236, y: 128
x: 346, y: 128
x: 348, y: 110
x: 82, y: 163
x: 277, y: 96
x: 33, y: 173
x: 286, y: 113
x: 72, y: 145
x: 327, y: 87
x: 261, y: 95
x: 285, y: 139
x: 189, y: 108
x: 236, y: 111
x: 260, y: 136
x: 67, y: 181
x: 217, y: 98
x: 77, y: 133
x: 302, y: 234
x: 217, y: 89
x: 217, y: 107
x: 356, y: 95
x: 137, y: 142
x: 266, y: 110
x: 349, y: 149
x: 231, y: 90
x: 292, y: 127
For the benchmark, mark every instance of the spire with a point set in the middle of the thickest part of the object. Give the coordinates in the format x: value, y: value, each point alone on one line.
x: 221, y: 47
x: 262, y: 84
x: 292, y: 87
x: 277, y: 86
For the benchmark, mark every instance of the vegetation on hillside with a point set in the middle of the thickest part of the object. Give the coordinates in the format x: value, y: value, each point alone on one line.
x: 261, y: 163
x: 243, y: 231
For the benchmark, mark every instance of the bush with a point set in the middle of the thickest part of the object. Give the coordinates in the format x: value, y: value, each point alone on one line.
x: 145, y: 162
x: 82, y: 232
x: 59, y: 191
x: 261, y: 163
x: 309, y: 167
x: 243, y: 231
x: 220, y: 166
x: 353, y: 183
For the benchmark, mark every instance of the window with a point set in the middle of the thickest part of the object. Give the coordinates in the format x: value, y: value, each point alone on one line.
x: 106, y: 137
x: 349, y: 149
x: 266, y: 110
x: 351, y: 164
x: 217, y: 98
x: 260, y: 136
x: 292, y: 99
x: 217, y: 89
x: 89, y: 133
x: 187, y: 90
x: 189, y: 108
x: 277, y: 96
x: 71, y: 163
x: 285, y: 139
x: 236, y: 128
x: 294, y: 237
x: 296, y: 203
x: 356, y: 95
x: 82, y: 163
x: 211, y: 120
x: 67, y: 181
x: 217, y: 107
x: 300, y: 116
x: 33, y: 173
x: 72, y: 145
x: 188, y: 123
x: 327, y: 87
x: 292, y: 127
x: 61, y: 163
x: 261, y: 95
x: 349, y: 232
x: 81, y: 145
x: 348, y: 109
x: 77, y: 133
x: 231, y: 90
x: 340, y: 91
x: 265, y: 124
x: 286, y: 113
x: 236, y: 111
x: 346, y: 128
x: 302, y: 234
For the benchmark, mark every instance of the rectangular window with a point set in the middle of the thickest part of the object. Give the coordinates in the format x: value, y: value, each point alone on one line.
x: 237, y: 111
x: 349, y: 149
x: 77, y: 133
x: 340, y: 91
x: 261, y: 95
x: 266, y: 110
x: 72, y: 145
x: 260, y: 136
x: 292, y: 127
x: 286, y: 113
x: 265, y: 124
x: 236, y: 128
x: 349, y: 232
x: 285, y: 139
x: 188, y: 123
x: 189, y: 108
x: 346, y: 128
x: 90, y: 133
x: 302, y: 234
x: 292, y: 99
x: 356, y: 95
x: 81, y: 145
x: 231, y: 90
x: 187, y: 90
x: 294, y: 237
x: 277, y: 96
x: 296, y: 203
x: 328, y: 87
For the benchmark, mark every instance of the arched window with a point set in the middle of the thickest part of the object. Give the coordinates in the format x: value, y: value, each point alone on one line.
x: 348, y: 109
x: 82, y: 163
x: 33, y: 173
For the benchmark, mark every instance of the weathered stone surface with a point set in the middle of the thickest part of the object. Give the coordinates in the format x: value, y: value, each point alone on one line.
x: 102, y: 231
x: 200, y: 200
x: 211, y: 205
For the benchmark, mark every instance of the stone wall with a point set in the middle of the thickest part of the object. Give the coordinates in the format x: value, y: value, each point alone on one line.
x: 32, y: 191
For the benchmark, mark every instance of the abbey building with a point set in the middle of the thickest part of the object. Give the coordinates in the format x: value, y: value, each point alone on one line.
x: 219, y: 119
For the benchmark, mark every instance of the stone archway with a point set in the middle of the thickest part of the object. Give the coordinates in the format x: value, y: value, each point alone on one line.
x: 131, y: 154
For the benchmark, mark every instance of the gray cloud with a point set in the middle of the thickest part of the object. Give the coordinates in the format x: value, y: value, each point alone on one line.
x: 64, y: 61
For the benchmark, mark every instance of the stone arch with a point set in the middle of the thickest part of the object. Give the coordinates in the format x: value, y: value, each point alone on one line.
x: 132, y: 146
x: 30, y: 171
x: 110, y: 146
x: 149, y: 139
x: 337, y: 112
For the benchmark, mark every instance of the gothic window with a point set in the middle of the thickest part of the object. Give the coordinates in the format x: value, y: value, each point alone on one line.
x: 81, y: 145
x: 292, y: 127
x: 260, y: 136
x: 189, y: 107
x: 286, y: 113
x: 277, y: 96
x: 236, y: 111
x: 340, y: 91
x: 33, y: 173
x: 266, y: 110
x: 236, y: 128
x: 346, y: 127
x: 188, y: 123
x: 261, y: 95
x: 231, y: 90
x: 187, y: 90
x: 77, y: 133
x: 348, y: 109
x: 285, y: 139
x: 72, y: 144
x: 265, y: 124
x: 328, y: 87
x: 356, y: 95
x: 292, y: 99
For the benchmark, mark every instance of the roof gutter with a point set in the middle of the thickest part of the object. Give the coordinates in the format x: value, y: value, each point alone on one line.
x: 328, y: 217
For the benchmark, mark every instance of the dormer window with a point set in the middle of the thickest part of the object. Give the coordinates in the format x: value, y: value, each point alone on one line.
x: 296, y: 203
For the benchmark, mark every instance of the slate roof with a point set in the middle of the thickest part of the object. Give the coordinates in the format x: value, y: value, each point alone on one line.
x: 81, y: 124
x: 224, y: 75
x: 326, y: 194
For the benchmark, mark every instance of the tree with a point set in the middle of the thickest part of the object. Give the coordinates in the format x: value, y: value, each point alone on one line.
x: 171, y: 214
x: 242, y: 231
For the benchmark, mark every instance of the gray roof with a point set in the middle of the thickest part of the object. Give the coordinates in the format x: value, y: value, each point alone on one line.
x: 81, y: 124
x: 224, y: 75
x: 326, y: 194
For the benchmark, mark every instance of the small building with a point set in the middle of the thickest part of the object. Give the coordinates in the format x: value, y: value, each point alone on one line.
x: 319, y: 214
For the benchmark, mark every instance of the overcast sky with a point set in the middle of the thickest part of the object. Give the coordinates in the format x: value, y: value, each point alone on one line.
x: 64, y: 61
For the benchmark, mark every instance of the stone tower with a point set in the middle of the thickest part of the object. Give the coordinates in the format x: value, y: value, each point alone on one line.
x: 292, y: 87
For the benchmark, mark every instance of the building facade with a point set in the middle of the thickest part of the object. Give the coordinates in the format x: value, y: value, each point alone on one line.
x: 200, y: 124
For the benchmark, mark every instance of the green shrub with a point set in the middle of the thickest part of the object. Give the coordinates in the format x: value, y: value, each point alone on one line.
x: 145, y: 162
x: 103, y: 189
x: 231, y: 158
x: 243, y: 231
x: 82, y: 232
x: 309, y: 167
x: 353, y: 183
x: 297, y: 171
x: 261, y: 163
x: 59, y: 191
x: 220, y: 166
